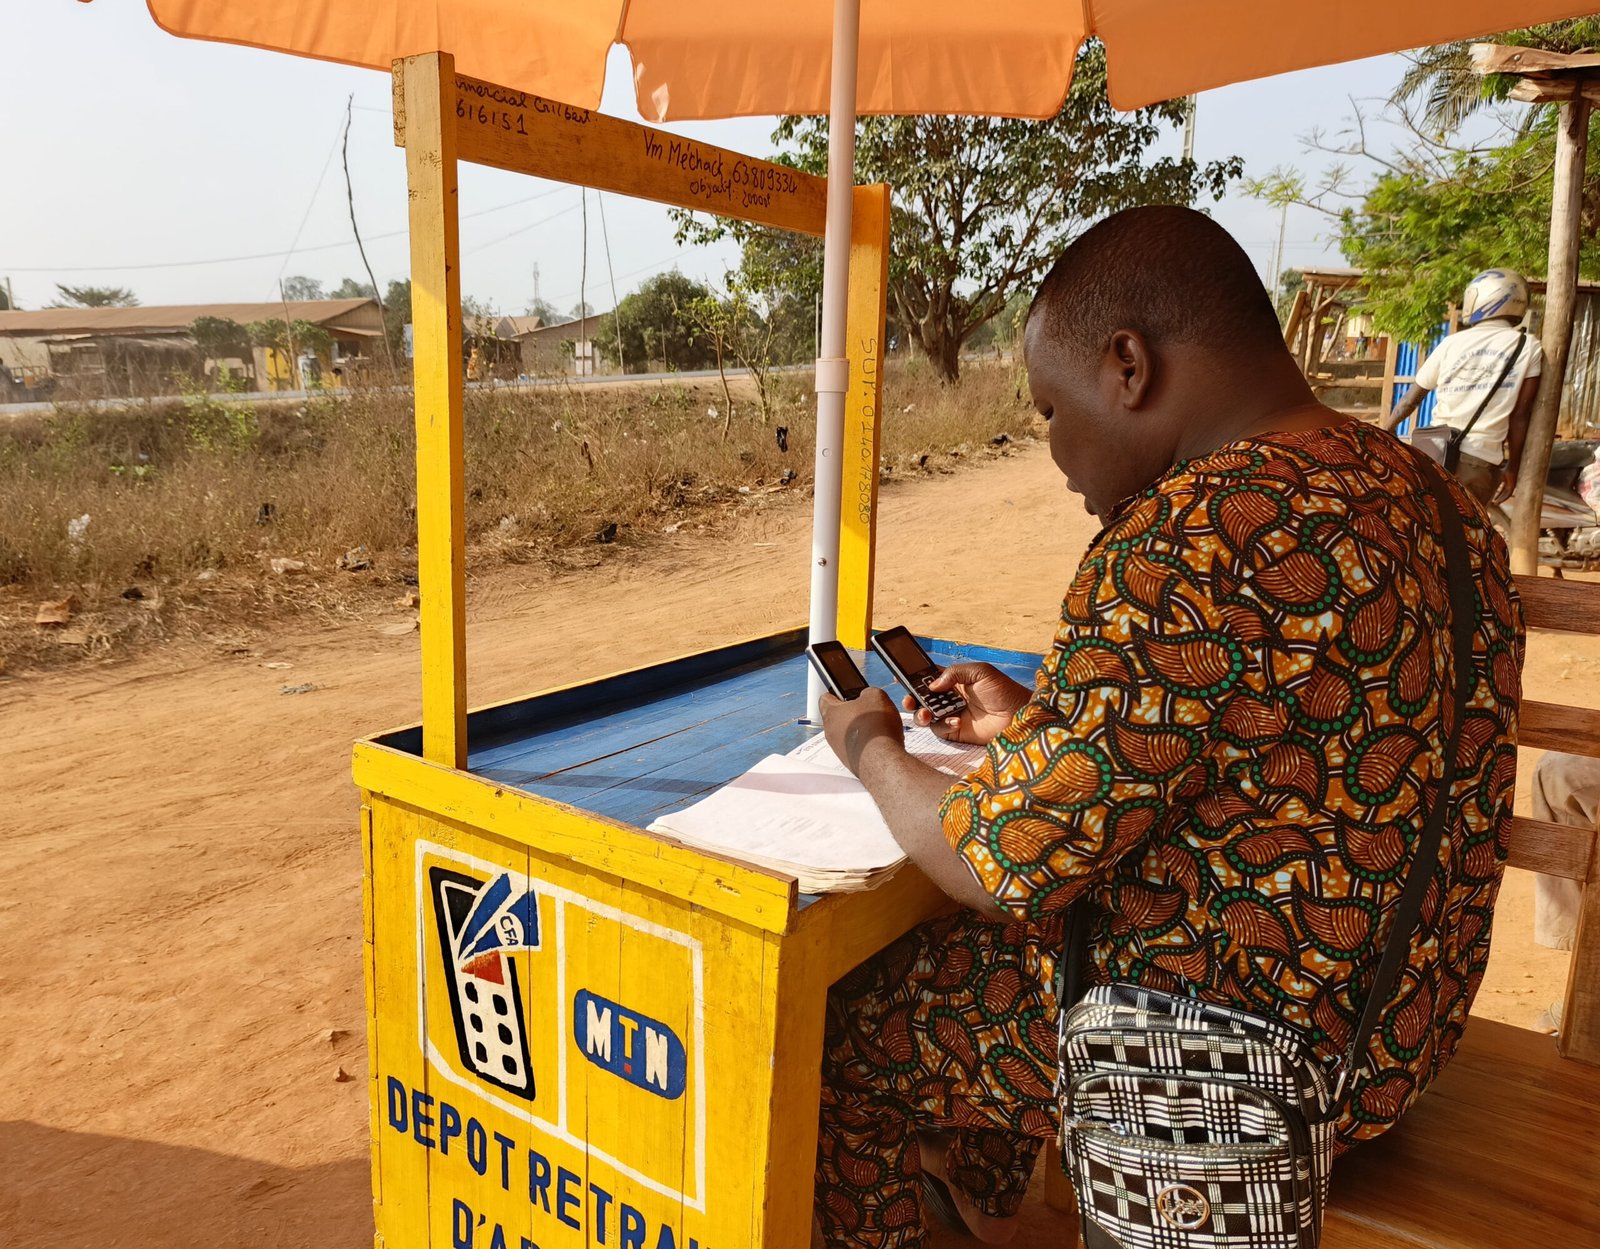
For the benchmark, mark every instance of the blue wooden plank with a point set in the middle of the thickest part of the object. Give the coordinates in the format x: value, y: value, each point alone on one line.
x: 569, y: 741
x: 634, y: 746
x: 639, y: 799
x: 489, y: 726
x: 673, y: 736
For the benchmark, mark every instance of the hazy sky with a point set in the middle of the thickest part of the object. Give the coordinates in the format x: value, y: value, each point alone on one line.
x: 127, y: 147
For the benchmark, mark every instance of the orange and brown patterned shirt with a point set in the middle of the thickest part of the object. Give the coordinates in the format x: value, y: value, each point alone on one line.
x: 1230, y: 747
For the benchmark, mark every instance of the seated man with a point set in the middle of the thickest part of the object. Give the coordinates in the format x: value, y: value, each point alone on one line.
x: 1226, y: 754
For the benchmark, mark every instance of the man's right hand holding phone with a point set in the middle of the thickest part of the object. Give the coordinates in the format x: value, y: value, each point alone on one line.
x: 992, y: 698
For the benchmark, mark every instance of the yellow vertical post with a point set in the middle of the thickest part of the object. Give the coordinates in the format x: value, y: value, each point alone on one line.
x: 864, y: 335
x: 425, y: 96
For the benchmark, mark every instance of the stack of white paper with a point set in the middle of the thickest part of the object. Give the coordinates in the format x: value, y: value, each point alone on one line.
x: 814, y: 823
x: 952, y: 757
x: 804, y: 814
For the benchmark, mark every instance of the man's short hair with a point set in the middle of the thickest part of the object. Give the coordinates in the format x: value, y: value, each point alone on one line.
x: 1171, y: 273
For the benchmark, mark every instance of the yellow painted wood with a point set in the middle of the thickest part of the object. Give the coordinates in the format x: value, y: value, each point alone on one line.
x: 639, y: 936
x: 428, y: 90
x: 368, y: 977
x: 793, y: 1003
x: 528, y: 134
x: 752, y: 895
x: 863, y: 404
x: 847, y: 928
x: 728, y: 1163
x: 402, y: 1181
x: 701, y: 1162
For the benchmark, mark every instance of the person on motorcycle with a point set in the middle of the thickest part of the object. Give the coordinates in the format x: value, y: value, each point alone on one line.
x: 1465, y: 364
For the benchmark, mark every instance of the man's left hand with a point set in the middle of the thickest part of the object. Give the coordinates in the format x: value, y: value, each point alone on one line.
x: 852, y: 726
x: 1506, y: 487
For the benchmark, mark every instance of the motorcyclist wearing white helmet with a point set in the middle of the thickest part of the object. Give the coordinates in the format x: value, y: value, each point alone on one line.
x: 1465, y: 365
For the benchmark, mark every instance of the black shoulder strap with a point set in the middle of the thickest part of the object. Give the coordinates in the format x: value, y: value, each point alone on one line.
x: 1516, y: 354
x: 1425, y: 857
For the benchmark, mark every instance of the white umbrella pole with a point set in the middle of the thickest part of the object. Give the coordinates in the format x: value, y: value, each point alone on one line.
x: 833, y: 366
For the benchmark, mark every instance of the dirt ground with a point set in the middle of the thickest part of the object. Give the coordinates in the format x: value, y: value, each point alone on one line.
x: 179, y: 928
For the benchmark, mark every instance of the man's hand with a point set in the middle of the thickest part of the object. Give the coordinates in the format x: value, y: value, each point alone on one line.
x: 853, y: 726
x: 1507, y: 486
x: 993, y: 699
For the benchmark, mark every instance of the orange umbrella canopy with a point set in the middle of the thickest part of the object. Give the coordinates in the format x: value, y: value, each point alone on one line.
x: 730, y: 58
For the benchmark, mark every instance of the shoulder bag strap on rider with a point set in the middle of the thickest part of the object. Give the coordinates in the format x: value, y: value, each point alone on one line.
x: 1457, y: 438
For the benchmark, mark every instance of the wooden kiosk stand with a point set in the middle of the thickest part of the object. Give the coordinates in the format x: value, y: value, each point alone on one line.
x: 581, y: 1033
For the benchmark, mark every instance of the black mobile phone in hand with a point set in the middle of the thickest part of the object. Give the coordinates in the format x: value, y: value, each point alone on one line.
x: 914, y: 670
x: 837, y: 669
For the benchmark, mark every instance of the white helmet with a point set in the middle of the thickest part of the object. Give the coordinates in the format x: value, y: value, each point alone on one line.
x: 1494, y: 293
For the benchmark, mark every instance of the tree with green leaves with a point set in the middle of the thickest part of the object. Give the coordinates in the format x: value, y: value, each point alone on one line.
x: 546, y: 312
x: 218, y: 338
x: 350, y: 288
x: 653, y: 329
x: 737, y: 332
x: 982, y: 206
x: 1440, y: 80
x: 1421, y: 234
x: 292, y: 339
x: 1423, y: 220
x: 300, y: 287
x: 94, y: 297
x: 396, y: 316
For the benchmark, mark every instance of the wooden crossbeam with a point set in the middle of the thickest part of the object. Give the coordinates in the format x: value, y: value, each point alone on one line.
x: 1554, y: 90
x: 1550, y: 726
x: 1543, y: 77
x: 1499, y: 58
x: 1563, y: 850
x: 525, y: 133
x: 1554, y: 603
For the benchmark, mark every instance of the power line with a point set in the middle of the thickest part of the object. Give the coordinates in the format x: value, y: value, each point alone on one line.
x: 301, y: 251
x: 599, y: 197
x: 520, y: 230
x: 310, y: 204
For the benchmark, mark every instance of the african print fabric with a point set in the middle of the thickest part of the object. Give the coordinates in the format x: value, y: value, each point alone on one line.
x: 1227, y: 756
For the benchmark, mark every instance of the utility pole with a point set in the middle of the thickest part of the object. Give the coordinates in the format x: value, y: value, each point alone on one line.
x: 1277, y: 256
x: 1189, y: 110
x: 1573, y: 82
x: 11, y: 300
x: 536, y: 300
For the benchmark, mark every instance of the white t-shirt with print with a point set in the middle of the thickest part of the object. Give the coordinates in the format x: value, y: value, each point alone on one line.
x: 1462, y: 367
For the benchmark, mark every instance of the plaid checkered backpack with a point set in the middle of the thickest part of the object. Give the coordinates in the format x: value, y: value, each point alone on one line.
x: 1190, y: 1125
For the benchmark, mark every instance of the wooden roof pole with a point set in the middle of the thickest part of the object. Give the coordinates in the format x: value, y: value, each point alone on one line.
x: 425, y: 94
x: 1573, y: 81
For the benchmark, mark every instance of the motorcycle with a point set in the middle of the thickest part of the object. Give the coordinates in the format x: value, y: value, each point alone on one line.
x: 1568, y: 527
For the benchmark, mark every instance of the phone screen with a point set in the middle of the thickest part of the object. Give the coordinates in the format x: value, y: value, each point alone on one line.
x: 839, y: 666
x: 902, y: 649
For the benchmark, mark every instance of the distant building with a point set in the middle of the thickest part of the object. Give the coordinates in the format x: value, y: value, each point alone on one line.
x: 124, y: 352
x: 571, y: 349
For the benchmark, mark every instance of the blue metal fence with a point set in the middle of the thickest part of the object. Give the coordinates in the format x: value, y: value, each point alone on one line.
x: 1407, y: 360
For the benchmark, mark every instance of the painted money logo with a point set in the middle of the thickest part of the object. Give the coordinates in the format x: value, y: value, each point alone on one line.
x: 481, y: 923
x: 643, y: 1051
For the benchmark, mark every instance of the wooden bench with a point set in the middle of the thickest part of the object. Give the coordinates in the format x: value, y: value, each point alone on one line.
x: 1504, y: 1149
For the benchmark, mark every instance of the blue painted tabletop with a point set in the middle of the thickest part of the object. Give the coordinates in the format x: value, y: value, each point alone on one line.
x: 651, y: 742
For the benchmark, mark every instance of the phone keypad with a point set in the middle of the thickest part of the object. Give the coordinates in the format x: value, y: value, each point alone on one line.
x: 940, y: 703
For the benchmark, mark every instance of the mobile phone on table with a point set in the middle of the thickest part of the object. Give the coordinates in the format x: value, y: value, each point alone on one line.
x: 914, y: 670
x: 837, y: 669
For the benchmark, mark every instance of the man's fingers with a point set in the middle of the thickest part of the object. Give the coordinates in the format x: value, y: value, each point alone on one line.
x: 957, y: 674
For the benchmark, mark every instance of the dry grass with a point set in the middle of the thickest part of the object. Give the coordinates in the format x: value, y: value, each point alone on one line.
x: 190, y: 502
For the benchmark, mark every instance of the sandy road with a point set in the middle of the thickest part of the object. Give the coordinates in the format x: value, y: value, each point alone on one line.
x: 180, y: 980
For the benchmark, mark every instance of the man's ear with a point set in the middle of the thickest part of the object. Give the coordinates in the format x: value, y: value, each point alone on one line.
x: 1134, y: 365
